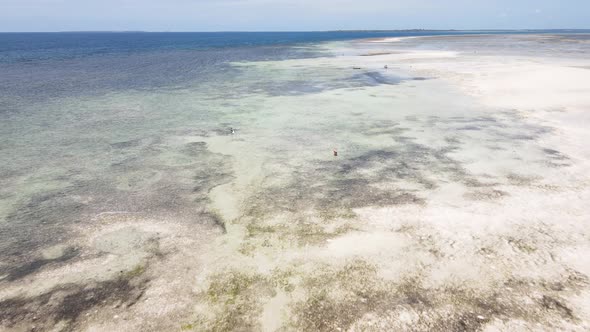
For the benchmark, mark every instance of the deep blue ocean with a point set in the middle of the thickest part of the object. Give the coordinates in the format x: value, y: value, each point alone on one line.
x: 15, y: 47
x: 38, y: 66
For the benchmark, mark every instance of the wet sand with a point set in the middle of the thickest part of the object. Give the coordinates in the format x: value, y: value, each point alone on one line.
x: 457, y: 202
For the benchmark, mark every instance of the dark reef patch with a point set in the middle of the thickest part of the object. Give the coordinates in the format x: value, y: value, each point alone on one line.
x: 32, y: 267
x: 556, y: 158
x: 470, y: 128
x: 486, y: 195
x: 521, y: 180
x: 41, y: 222
x: 374, y: 78
x: 160, y: 181
x: 68, y: 302
x: 127, y: 144
x: 552, y: 304
x: 377, y: 177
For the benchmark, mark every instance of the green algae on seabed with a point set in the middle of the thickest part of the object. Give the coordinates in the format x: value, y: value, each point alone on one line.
x: 235, y: 298
x: 294, y: 231
x: 355, y: 296
x: 137, y: 271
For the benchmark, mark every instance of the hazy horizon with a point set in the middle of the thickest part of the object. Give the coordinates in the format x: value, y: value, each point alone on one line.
x: 288, y: 15
x: 295, y: 31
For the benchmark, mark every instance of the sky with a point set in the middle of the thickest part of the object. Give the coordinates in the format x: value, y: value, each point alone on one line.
x: 290, y: 15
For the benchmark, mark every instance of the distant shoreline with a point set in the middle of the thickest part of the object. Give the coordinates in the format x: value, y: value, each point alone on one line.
x: 320, y: 31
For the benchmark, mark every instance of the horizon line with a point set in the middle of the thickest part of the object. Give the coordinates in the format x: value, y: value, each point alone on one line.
x: 296, y: 31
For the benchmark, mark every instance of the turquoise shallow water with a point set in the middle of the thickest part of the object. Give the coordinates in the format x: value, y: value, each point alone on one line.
x: 91, y: 121
x: 95, y: 123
